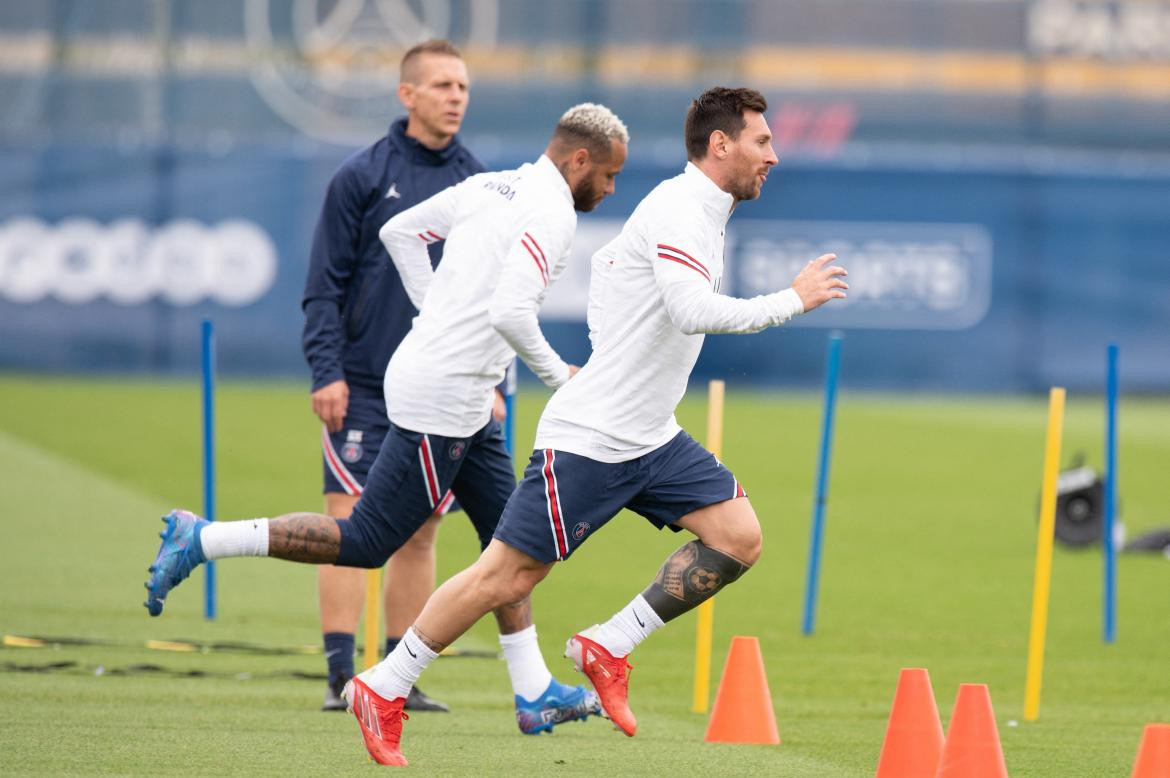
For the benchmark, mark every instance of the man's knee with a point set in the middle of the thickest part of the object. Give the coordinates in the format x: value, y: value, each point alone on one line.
x: 745, y: 541
x: 507, y: 574
x: 422, y: 542
x: 368, y: 539
x: 730, y: 527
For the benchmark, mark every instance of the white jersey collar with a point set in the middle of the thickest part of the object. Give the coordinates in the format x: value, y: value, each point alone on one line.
x: 544, y: 167
x: 720, y: 203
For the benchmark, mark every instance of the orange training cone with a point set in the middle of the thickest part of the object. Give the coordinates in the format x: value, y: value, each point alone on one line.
x: 1153, y: 757
x: 743, y: 705
x: 972, y: 747
x: 914, y: 734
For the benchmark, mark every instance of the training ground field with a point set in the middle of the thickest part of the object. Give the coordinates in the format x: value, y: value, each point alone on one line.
x: 928, y: 561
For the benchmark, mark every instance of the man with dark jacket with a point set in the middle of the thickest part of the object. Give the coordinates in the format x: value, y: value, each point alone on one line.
x: 356, y: 314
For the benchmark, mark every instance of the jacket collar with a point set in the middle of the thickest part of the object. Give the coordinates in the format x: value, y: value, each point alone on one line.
x: 547, y: 171
x: 419, y: 153
x: 715, y: 201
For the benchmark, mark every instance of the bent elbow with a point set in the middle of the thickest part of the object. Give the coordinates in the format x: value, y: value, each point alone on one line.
x: 504, y: 321
x: 687, y: 325
x: 388, y: 231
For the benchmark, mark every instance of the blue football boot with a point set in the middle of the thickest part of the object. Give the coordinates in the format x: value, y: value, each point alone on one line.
x: 558, y: 704
x: 179, y: 554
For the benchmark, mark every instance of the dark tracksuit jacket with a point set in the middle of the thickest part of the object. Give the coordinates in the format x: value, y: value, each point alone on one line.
x: 356, y: 310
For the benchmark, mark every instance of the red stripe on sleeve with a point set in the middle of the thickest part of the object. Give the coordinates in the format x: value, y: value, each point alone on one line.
x: 543, y: 270
x: 538, y: 248
x: 685, y: 254
x: 684, y: 263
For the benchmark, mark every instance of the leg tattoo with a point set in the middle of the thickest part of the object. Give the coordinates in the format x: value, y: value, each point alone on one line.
x: 304, y: 537
x: 690, y: 575
x: 429, y: 642
x: 515, y: 617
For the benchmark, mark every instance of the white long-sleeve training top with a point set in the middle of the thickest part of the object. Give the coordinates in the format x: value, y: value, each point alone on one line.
x: 653, y: 292
x: 508, y: 237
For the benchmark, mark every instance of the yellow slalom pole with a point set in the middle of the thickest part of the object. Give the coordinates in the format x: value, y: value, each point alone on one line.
x: 706, y: 608
x: 1042, y: 585
x: 373, y: 650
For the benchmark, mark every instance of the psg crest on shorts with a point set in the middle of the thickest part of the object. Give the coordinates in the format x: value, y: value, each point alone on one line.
x: 580, y: 529
x: 456, y: 450
x: 351, y: 452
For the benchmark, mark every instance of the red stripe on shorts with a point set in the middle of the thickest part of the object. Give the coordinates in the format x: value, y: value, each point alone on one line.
x: 348, y: 482
x: 554, y: 507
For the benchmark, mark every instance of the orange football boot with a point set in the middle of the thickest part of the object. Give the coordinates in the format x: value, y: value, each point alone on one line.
x: 609, y: 676
x: 380, y: 721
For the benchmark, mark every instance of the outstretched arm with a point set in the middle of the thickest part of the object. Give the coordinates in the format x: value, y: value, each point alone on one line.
x: 694, y: 306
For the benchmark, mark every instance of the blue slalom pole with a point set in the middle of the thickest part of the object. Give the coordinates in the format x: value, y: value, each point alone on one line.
x: 510, y: 409
x: 209, y: 458
x: 822, y: 493
x: 1110, y: 615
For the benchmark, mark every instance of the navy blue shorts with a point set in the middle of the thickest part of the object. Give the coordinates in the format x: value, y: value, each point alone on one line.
x: 408, y: 482
x: 564, y: 498
x: 349, y: 453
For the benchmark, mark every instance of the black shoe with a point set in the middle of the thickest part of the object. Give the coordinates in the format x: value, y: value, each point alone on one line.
x: 416, y: 700
x: 333, y: 698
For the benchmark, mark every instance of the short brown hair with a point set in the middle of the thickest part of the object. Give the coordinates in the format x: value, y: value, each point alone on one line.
x: 719, y: 108
x: 446, y: 48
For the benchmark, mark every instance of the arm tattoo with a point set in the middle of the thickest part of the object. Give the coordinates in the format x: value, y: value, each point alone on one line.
x: 304, y: 537
x: 690, y: 575
x: 515, y: 617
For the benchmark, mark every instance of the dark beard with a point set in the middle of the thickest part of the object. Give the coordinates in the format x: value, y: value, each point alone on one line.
x: 745, y: 192
x: 585, y: 196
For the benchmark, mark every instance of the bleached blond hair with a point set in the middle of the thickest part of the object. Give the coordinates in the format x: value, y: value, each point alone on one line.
x: 591, y: 125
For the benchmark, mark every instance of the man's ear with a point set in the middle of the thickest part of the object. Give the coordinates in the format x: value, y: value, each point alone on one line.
x: 717, y: 143
x: 580, y: 158
x: 406, y: 95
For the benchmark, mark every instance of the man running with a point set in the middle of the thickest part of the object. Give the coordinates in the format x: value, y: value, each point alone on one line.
x: 608, y: 439
x: 508, y: 237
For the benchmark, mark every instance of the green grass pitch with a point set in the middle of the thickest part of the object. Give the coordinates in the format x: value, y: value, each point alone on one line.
x: 928, y: 562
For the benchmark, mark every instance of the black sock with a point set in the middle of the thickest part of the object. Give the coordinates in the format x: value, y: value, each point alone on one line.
x: 391, y: 644
x: 339, y: 655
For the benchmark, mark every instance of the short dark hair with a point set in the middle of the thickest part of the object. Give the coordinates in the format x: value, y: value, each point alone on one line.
x: 719, y: 108
x: 433, y: 46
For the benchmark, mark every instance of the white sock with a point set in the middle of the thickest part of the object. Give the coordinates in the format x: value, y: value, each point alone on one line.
x: 526, y: 667
x: 393, y: 676
x: 221, y: 539
x: 628, y: 627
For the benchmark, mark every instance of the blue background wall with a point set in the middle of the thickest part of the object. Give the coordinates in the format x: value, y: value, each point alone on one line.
x: 1048, y: 210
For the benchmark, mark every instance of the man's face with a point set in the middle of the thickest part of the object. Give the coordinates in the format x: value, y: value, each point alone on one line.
x: 437, y: 98
x: 595, y: 181
x: 750, y: 157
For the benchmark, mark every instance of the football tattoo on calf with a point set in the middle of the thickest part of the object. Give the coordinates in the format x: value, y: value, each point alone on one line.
x: 689, y: 576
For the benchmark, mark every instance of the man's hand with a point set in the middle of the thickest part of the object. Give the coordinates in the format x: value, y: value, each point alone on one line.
x: 499, y: 409
x: 817, y: 284
x: 330, y: 403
